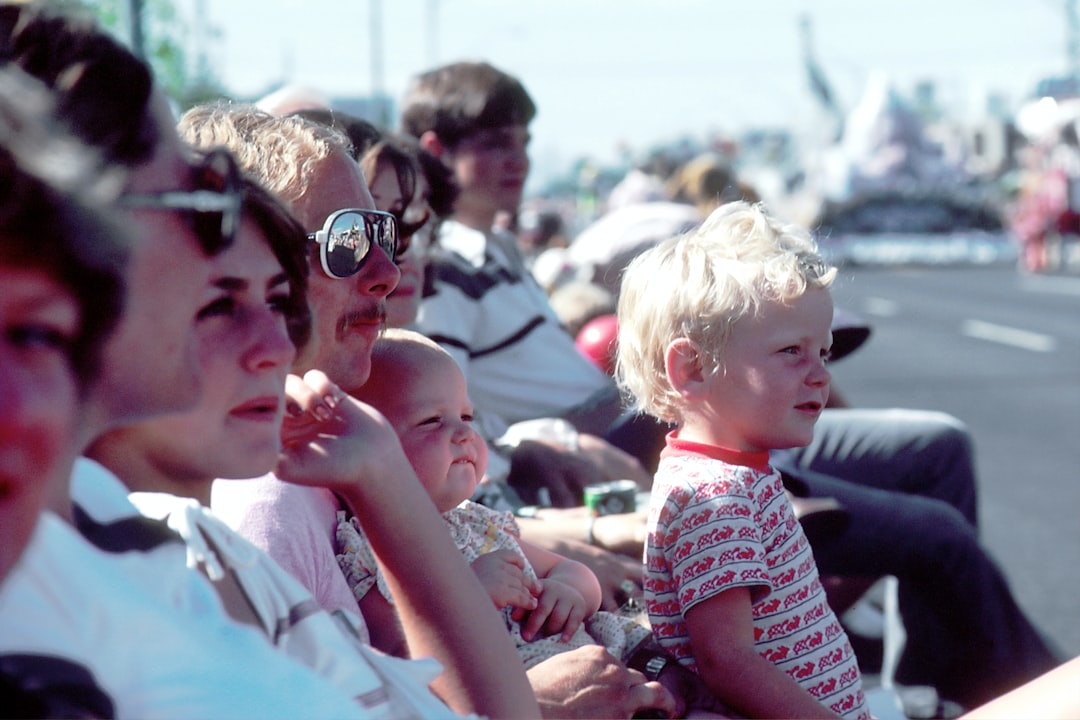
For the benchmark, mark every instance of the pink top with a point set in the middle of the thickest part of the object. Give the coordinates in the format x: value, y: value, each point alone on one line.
x: 295, y: 526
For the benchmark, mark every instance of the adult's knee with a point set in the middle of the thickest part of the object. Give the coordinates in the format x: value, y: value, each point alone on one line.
x: 947, y: 452
x: 946, y: 432
x: 943, y: 542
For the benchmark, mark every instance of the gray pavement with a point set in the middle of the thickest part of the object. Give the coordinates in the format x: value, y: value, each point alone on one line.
x: 1001, y: 351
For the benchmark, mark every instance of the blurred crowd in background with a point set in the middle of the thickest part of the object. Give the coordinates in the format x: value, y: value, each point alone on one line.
x: 924, y: 187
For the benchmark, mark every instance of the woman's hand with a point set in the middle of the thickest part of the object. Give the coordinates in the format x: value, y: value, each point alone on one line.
x: 332, y: 440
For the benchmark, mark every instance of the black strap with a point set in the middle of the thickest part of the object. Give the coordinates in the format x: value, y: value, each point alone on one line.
x: 45, y: 686
x: 135, y: 533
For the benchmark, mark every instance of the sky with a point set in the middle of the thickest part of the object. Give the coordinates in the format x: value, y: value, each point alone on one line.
x: 636, y: 73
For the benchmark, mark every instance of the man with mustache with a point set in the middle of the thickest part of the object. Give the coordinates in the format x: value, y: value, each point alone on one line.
x: 295, y: 524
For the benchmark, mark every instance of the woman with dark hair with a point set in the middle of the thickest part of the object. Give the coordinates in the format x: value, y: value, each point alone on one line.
x: 419, y: 190
x: 254, y: 320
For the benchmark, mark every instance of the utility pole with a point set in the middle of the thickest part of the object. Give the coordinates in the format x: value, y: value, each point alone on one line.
x: 378, y: 90
x: 1072, y: 41
x: 819, y: 83
x: 135, y: 28
x: 202, y: 30
x: 432, y: 33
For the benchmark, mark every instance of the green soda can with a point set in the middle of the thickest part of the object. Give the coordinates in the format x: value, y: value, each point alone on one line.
x: 611, y: 498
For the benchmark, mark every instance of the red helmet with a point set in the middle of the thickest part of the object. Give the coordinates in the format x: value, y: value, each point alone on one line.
x: 598, y: 341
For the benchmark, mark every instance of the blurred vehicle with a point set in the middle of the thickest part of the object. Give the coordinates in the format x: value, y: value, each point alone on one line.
x: 899, y: 228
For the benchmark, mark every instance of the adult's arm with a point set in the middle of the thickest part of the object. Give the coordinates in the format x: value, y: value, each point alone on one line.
x: 1052, y: 696
x: 545, y: 473
x: 538, y: 465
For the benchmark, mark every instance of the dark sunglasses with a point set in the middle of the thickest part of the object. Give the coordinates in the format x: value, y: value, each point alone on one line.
x: 346, y: 240
x: 212, y: 208
x: 406, y: 230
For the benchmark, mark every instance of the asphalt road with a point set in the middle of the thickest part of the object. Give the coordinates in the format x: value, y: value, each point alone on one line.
x: 1001, y: 351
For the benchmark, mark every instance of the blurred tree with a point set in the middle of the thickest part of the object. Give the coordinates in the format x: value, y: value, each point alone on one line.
x: 156, y: 31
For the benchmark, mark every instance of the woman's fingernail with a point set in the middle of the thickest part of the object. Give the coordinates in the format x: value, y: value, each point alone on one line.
x: 323, y: 413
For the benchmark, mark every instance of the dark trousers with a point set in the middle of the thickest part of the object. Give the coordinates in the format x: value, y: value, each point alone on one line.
x: 907, y: 479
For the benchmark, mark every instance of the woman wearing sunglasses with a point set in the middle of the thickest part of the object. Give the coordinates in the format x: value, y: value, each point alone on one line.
x: 253, y: 321
x: 80, y: 634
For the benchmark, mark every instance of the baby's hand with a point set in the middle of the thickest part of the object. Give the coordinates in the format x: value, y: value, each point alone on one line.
x: 561, y: 609
x: 502, y: 573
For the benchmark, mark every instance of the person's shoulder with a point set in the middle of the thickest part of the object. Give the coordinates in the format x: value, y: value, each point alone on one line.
x: 461, y: 240
x: 42, y: 647
x: 53, y: 541
x: 267, y: 506
x: 267, y: 490
x: 69, y: 588
x: 705, y: 478
x: 67, y: 599
x: 99, y: 492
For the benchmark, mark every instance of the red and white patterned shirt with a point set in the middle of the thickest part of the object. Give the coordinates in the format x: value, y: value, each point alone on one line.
x: 719, y: 519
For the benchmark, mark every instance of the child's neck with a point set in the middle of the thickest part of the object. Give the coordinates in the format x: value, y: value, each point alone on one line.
x: 681, y: 445
x: 713, y: 435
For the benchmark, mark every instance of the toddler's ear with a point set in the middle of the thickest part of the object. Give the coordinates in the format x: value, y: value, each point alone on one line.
x: 682, y: 361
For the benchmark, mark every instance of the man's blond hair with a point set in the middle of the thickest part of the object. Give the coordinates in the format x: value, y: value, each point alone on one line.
x: 281, y: 153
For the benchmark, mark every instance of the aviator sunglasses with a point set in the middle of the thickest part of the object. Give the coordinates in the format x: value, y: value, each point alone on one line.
x: 212, y: 209
x: 346, y: 240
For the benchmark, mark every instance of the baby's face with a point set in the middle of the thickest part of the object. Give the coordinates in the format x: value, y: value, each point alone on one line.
x: 433, y: 418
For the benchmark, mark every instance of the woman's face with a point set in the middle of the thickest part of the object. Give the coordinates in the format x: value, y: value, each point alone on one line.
x: 245, y: 354
x: 39, y: 402
x: 403, y: 303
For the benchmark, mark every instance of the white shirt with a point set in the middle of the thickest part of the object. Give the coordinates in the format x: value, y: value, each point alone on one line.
x: 68, y: 599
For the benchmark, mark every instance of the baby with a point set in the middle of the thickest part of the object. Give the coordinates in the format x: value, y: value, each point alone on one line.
x: 550, y: 602
x: 725, y: 332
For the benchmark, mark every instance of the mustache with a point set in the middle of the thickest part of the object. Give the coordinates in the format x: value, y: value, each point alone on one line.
x: 376, y: 313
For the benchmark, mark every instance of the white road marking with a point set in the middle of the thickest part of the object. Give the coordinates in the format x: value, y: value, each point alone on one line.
x: 880, y: 307
x: 1005, y: 335
x: 1056, y: 284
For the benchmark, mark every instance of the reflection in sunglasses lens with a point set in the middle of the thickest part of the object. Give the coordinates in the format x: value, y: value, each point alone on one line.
x: 348, y: 245
x: 342, y: 261
x: 346, y: 240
